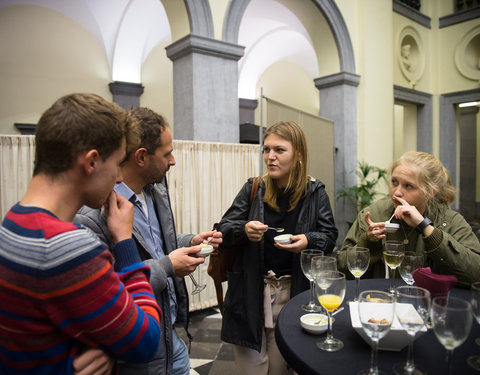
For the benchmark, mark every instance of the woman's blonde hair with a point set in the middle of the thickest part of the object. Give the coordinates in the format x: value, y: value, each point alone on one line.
x: 297, y: 179
x: 433, y: 178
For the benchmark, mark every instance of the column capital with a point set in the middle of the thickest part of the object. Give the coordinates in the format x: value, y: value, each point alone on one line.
x: 126, y: 94
x: 199, y: 44
x: 342, y: 78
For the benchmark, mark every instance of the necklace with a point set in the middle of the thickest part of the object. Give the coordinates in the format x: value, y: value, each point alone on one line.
x: 405, y: 241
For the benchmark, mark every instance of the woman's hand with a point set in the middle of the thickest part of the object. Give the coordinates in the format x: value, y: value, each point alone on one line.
x: 255, y: 230
x: 409, y: 214
x: 376, y: 231
x: 298, y: 243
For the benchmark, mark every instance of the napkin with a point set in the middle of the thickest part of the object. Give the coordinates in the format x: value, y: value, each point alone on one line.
x: 438, y: 285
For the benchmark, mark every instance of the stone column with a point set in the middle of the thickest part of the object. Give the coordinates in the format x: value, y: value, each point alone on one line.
x: 126, y: 94
x: 468, y: 161
x: 338, y: 102
x: 205, y: 89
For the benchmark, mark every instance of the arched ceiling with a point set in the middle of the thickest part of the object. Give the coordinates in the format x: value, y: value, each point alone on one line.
x: 271, y: 32
x: 129, y: 29
x: 126, y: 29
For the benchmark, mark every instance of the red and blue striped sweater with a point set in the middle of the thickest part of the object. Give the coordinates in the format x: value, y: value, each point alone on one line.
x: 59, y: 294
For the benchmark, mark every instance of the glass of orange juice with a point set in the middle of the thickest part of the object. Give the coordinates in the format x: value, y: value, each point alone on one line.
x: 330, y: 289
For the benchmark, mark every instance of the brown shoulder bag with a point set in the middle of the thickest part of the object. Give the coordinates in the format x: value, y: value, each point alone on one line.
x: 221, y: 260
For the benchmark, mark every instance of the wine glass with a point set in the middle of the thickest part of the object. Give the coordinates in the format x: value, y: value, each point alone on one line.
x: 412, y: 305
x: 323, y: 263
x: 474, y: 361
x: 410, y: 263
x: 393, y: 255
x: 198, y: 288
x: 358, y: 259
x: 330, y: 292
x: 376, y: 311
x: 306, y: 264
x: 451, y: 320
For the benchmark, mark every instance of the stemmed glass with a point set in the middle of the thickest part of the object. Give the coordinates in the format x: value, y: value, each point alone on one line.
x: 358, y: 259
x: 393, y: 255
x: 306, y: 264
x: 330, y: 292
x: 451, y: 320
x: 198, y: 288
x: 376, y: 311
x: 410, y: 263
x: 323, y: 263
x: 412, y: 305
x: 474, y: 361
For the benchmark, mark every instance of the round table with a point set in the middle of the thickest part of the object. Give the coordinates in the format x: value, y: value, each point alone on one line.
x: 300, y: 351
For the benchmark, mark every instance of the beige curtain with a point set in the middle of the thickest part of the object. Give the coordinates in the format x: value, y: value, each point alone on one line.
x: 16, y: 166
x: 202, y: 185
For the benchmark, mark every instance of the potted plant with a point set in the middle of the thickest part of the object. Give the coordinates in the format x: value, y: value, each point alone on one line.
x: 364, y: 192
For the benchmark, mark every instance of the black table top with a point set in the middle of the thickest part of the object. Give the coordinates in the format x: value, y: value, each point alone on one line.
x: 300, y: 351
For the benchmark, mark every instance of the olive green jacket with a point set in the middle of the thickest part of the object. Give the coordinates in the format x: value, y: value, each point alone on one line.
x: 452, y: 248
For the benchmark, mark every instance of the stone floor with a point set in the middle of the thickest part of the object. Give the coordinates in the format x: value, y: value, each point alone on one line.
x: 208, y: 354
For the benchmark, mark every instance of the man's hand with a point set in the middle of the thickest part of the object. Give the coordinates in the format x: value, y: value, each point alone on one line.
x: 185, y: 261
x: 213, y: 237
x: 93, y: 362
x: 119, y: 217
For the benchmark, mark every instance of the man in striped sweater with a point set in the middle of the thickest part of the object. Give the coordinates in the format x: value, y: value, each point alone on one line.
x: 59, y: 293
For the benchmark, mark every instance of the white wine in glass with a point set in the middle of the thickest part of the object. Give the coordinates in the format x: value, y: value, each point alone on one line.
x: 306, y: 264
x: 358, y: 259
x: 412, y: 306
x: 451, y: 320
x: 393, y: 254
x: 376, y: 311
x: 330, y: 289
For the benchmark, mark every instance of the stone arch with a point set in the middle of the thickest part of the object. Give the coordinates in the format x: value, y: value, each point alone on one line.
x: 200, y: 17
x: 331, y: 13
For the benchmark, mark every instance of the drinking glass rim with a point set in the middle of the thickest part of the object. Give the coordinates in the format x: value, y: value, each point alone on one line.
x: 324, y: 256
x: 313, y: 251
x: 372, y: 291
x: 359, y: 249
x: 466, y: 304
x: 412, y: 287
x: 339, y: 275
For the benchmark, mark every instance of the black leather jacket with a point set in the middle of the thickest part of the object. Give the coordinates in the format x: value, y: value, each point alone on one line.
x: 243, y: 316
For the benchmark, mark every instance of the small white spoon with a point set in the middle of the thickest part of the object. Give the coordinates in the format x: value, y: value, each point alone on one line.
x: 278, y: 230
x: 335, y: 313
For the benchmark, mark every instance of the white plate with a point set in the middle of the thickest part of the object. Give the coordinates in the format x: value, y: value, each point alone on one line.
x: 396, y: 339
x: 283, y: 238
x: 205, y: 251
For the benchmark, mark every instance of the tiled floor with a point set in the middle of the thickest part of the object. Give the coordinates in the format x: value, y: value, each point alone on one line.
x: 208, y: 354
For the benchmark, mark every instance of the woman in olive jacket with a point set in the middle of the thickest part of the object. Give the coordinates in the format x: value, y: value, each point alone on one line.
x: 421, y: 192
x: 265, y: 275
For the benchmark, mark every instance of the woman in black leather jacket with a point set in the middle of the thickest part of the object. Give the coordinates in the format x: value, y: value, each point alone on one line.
x: 266, y: 275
